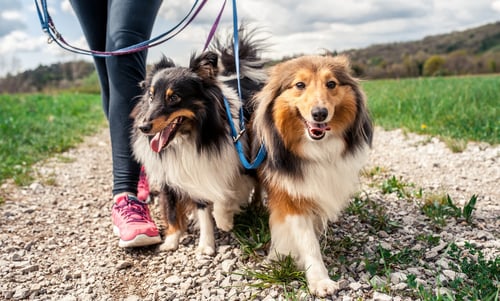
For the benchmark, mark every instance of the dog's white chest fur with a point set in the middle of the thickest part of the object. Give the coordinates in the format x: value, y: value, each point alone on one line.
x: 207, y: 176
x: 329, y: 177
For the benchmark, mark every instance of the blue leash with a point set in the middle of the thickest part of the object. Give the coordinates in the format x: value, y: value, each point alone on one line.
x: 261, y: 154
x: 48, y: 27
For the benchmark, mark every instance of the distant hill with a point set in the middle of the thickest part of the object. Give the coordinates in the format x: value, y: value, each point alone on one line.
x: 472, y: 51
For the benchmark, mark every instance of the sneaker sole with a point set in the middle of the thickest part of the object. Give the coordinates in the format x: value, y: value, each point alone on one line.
x: 140, y: 240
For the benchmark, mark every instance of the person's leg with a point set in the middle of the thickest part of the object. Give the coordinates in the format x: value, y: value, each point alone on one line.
x: 110, y: 25
x: 93, y: 18
x: 129, y: 22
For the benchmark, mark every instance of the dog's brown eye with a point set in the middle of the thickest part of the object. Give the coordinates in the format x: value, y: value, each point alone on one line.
x: 174, y: 98
x: 331, y: 84
x: 300, y: 85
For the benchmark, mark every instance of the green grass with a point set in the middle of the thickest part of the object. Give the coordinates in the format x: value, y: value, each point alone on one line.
x: 251, y: 230
x: 34, y: 127
x: 460, y: 108
x: 281, y: 272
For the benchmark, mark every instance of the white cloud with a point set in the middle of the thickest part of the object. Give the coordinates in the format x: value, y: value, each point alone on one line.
x: 12, y: 15
x: 66, y: 7
x: 17, y: 41
x: 496, y: 5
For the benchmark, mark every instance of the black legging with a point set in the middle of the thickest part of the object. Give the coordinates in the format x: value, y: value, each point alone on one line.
x: 107, y: 26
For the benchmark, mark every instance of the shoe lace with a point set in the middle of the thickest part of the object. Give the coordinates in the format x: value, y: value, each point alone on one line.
x: 133, y: 210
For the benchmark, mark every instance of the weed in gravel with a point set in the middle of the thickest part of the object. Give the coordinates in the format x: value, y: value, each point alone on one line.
x: 477, y: 278
x: 282, y: 272
x: 483, y: 276
x: 341, y: 250
x: 455, y: 145
x: 439, y: 208
x: 251, y: 230
x: 430, y: 239
x: 383, y: 261
x: 425, y: 294
x: 372, y: 213
x: 396, y: 185
x: 469, y: 208
x: 374, y: 171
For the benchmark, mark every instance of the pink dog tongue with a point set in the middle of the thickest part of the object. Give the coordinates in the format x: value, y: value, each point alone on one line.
x: 317, y: 129
x: 159, y: 140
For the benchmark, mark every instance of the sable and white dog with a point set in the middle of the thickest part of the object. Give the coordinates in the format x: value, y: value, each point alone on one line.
x: 313, y: 120
x: 182, y: 137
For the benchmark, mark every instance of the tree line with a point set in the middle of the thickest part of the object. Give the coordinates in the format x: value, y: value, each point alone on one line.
x: 53, y: 77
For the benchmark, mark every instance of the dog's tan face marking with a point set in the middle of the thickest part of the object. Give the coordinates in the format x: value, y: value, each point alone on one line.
x: 169, y: 93
x: 162, y: 122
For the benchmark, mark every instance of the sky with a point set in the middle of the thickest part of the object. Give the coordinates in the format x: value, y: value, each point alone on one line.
x: 290, y: 26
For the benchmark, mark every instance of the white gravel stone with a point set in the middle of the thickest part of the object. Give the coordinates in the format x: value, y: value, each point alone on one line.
x: 377, y: 296
x: 355, y: 286
x: 397, y: 277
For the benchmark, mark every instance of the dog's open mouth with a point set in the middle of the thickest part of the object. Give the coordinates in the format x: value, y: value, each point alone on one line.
x: 162, y: 138
x: 317, y: 130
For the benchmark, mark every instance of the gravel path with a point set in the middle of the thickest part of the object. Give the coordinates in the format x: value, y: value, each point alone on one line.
x: 56, y: 240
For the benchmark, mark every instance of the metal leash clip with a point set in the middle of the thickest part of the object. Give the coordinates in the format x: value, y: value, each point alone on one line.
x: 235, y: 139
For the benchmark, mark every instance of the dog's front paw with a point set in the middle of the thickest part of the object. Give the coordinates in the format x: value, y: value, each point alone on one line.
x: 171, y: 242
x: 224, y: 223
x: 323, y: 287
x: 205, y: 250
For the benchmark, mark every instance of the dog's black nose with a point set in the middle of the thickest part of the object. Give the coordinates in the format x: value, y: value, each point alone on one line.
x: 319, y: 114
x: 146, y: 127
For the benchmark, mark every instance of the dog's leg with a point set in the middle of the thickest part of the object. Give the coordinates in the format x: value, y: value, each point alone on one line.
x: 224, y: 212
x: 293, y: 233
x: 223, y: 216
x: 173, y: 211
x: 206, y: 245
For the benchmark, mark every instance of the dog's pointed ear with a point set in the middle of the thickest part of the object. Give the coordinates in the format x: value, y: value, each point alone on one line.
x: 205, y: 65
x: 164, y: 63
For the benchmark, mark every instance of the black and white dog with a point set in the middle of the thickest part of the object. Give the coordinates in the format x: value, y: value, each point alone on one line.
x: 182, y: 137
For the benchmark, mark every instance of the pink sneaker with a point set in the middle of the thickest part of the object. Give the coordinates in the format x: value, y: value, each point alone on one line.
x: 143, y: 186
x: 133, y: 224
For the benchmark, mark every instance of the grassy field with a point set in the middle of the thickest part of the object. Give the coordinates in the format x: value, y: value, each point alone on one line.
x: 33, y: 127
x: 466, y: 108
